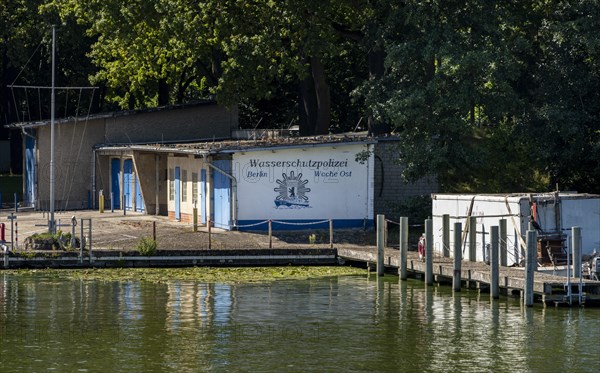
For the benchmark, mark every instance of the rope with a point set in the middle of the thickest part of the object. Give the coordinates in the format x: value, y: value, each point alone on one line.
x: 251, y: 225
x: 311, y: 223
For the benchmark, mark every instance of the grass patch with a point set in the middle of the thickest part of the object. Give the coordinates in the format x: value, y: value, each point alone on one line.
x: 201, y: 274
x: 146, y: 246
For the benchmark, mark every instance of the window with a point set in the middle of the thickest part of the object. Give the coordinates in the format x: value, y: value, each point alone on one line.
x: 171, y: 184
x: 195, y: 187
x: 183, y: 185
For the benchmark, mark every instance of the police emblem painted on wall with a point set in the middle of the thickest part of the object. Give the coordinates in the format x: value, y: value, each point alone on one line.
x: 292, y: 191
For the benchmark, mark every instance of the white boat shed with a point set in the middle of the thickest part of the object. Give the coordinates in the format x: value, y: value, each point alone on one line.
x: 297, y: 183
x: 556, y: 213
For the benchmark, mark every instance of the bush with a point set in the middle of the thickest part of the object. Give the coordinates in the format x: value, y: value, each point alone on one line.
x: 146, y: 246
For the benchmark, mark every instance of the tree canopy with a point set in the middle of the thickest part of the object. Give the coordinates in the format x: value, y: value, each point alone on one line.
x: 488, y: 96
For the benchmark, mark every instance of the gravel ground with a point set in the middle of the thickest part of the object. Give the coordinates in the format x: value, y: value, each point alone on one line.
x: 118, y: 232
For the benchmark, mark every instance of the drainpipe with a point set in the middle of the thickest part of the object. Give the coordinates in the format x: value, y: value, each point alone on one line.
x: 233, y: 191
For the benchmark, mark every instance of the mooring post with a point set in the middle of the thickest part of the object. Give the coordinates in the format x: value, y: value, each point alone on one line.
x: 503, y: 247
x: 380, y: 244
x: 403, y: 240
x: 472, y: 239
x: 530, y: 263
x: 270, y: 234
x: 446, y: 235
x: 494, y: 265
x: 576, y: 251
x: 456, y: 281
x: 331, y: 233
x: 429, y: 252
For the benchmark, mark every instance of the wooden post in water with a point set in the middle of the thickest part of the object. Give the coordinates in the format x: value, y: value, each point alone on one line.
x: 380, y: 244
x: 494, y: 265
x: 472, y: 239
x: 429, y: 252
x: 446, y: 235
x: 403, y: 241
x: 503, y: 247
x: 530, y: 263
x: 576, y: 251
x: 457, y: 256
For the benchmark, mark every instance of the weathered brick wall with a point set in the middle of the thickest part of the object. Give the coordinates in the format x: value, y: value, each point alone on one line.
x: 390, y: 189
x: 179, y: 124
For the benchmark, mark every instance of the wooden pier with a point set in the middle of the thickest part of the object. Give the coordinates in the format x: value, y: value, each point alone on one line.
x: 549, y: 289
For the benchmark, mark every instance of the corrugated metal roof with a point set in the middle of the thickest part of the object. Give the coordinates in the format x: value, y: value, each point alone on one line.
x: 234, y: 146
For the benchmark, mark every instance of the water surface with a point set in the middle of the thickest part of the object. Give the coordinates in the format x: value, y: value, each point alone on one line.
x: 351, y: 323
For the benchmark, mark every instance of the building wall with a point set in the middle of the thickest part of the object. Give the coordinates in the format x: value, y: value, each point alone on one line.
x: 74, y: 144
x: 189, y: 165
x: 390, y: 189
x: 152, y: 175
x: 304, y: 185
x: 181, y: 124
x: 73, y: 163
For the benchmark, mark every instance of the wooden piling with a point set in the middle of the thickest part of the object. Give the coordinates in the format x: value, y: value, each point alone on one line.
x: 446, y: 235
x: 457, y: 256
x: 403, y: 241
x: 530, y: 264
x: 380, y: 244
x: 503, y: 246
x: 576, y: 250
x: 472, y: 239
x: 494, y: 268
x: 429, y: 252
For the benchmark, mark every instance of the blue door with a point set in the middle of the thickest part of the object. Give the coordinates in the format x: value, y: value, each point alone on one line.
x: 177, y: 194
x: 139, y: 199
x: 30, y: 166
x: 115, y: 178
x: 222, y: 200
x: 127, y: 181
x: 203, y: 196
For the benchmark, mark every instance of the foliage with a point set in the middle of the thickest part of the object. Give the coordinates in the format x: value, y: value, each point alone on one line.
x: 488, y: 96
x: 146, y: 246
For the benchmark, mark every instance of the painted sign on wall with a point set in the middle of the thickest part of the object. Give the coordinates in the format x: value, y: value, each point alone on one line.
x: 325, y: 182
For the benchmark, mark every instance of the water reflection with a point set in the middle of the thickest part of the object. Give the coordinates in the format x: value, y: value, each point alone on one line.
x: 345, y: 323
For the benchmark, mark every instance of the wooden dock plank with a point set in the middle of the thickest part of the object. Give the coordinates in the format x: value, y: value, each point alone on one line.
x: 510, y: 277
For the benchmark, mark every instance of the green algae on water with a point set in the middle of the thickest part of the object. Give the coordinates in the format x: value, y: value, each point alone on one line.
x: 201, y: 274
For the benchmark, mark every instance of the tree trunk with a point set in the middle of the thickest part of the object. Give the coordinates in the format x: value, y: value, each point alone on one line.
x: 163, y: 92
x: 315, y: 101
x: 376, y: 70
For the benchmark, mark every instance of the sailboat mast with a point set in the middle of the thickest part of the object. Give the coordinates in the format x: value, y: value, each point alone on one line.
x: 51, y: 224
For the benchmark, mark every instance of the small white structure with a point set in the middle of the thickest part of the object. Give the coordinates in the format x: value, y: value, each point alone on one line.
x: 555, y: 212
